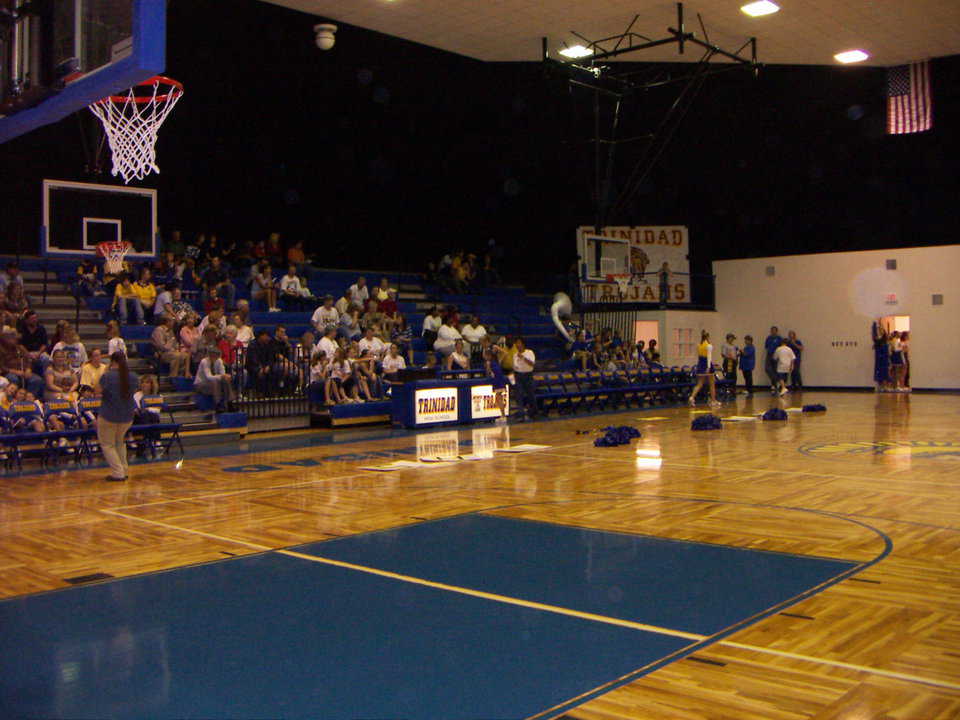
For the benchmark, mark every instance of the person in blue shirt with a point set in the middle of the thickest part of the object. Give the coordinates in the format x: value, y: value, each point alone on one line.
x: 748, y: 361
x: 770, y: 364
x: 117, y: 386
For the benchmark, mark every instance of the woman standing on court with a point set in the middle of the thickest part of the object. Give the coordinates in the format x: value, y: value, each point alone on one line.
x: 705, y: 371
x: 117, y: 385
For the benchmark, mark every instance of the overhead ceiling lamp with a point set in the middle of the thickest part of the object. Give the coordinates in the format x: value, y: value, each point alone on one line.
x: 850, y: 56
x: 576, y: 51
x: 760, y: 8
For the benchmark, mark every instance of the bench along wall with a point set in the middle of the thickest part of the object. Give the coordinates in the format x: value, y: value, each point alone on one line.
x: 831, y: 299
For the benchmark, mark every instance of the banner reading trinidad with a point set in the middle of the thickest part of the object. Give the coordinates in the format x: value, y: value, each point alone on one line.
x: 637, y: 255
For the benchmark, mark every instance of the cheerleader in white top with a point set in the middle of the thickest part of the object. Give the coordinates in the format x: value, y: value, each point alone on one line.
x: 705, y: 371
x: 897, y: 365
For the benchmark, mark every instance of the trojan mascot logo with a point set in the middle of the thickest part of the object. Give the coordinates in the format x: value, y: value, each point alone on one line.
x: 905, y: 448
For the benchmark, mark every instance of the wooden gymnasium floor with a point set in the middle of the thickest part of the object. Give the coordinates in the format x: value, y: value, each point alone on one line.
x: 874, y: 482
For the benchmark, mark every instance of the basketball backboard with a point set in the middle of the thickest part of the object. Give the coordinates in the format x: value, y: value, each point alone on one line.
x: 78, y: 216
x: 58, y: 56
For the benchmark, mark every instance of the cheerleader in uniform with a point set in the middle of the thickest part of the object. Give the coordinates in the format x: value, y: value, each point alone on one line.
x: 896, y: 361
x: 881, y: 358
x: 492, y: 362
x: 704, y: 371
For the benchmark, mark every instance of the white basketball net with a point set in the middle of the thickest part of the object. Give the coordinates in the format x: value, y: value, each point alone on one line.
x: 113, y: 254
x: 623, y: 282
x: 132, y: 122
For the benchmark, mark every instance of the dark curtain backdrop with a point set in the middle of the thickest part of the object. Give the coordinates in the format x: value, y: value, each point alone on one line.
x: 384, y: 154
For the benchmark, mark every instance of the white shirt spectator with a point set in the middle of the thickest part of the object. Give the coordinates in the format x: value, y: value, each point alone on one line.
x: 431, y: 323
x: 291, y: 284
x: 524, y: 362
x: 393, y: 364
x: 244, y: 335
x: 324, y: 316
x: 784, y: 357
x: 206, y: 321
x: 328, y: 347
x: 342, y: 305
x: 116, y: 344
x: 375, y: 345
x: 473, y: 333
x: 359, y: 295
x: 459, y: 359
x: 163, y: 299
x: 447, y: 337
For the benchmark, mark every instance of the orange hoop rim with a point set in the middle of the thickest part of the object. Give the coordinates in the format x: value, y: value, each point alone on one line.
x: 176, y: 88
x: 103, y: 247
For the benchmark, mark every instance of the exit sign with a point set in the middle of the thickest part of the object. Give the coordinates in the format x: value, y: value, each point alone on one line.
x: 890, y: 299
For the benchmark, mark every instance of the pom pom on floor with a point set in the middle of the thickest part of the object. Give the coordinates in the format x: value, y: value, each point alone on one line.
x: 614, y: 436
x: 706, y: 422
x: 815, y: 408
x: 775, y: 414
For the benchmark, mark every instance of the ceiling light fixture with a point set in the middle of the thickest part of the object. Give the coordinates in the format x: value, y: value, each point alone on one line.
x: 760, y: 8
x: 576, y: 51
x: 850, y: 56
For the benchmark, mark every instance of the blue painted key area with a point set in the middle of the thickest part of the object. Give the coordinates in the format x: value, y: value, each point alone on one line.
x: 274, y: 636
x: 679, y: 585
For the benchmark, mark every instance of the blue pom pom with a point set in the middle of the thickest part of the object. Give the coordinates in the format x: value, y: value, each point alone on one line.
x: 616, y: 436
x: 706, y: 422
x: 815, y: 408
x: 775, y: 414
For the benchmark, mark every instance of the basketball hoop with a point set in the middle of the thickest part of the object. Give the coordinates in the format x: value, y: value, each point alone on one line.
x: 132, y: 121
x: 622, y: 281
x: 113, y: 253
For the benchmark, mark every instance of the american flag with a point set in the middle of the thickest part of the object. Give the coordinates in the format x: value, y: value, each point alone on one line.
x: 909, y: 100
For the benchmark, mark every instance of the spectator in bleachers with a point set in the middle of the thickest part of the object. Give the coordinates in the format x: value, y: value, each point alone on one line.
x: 325, y: 315
x: 165, y: 269
x: 193, y: 248
x: 296, y: 256
x: 33, y: 336
x: 262, y: 362
x: 653, y: 352
x: 7, y: 318
x: 217, y: 278
x: 244, y: 330
x: 11, y: 277
x: 92, y: 370
x: 350, y: 325
x: 243, y: 310
x: 213, y: 302
x: 489, y: 273
x: 146, y: 292
x: 390, y: 311
x: 229, y: 348
x: 382, y: 291
x: 17, y: 365
x: 209, y: 337
x: 328, y: 343
x: 126, y: 301
x: 168, y: 349
x: 617, y: 350
x: 146, y: 412
x: 115, y: 343
x: 175, y: 243
x: 213, y: 379
x: 363, y: 373
x: 371, y: 316
x: 457, y: 358
x: 431, y: 325
x: 211, y: 250
x: 60, y: 381
x: 214, y: 319
x: 393, y: 363
x: 370, y: 342
x: 190, y: 336
x: 164, y: 303
x: 343, y: 386
x: 291, y: 291
x: 447, y: 336
x: 306, y: 348
x: 76, y: 351
x: 88, y: 281
x: 473, y: 333
x: 401, y: 336
x: 16, y: 302
x: 274, y: 249
x: 320, y: 377
x: 581, y: 351
x: 265, y: 287
x: 359, y: 293
x: 343, y: 304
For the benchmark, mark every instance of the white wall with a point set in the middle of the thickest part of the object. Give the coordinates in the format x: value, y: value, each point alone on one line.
x: 831, y: 299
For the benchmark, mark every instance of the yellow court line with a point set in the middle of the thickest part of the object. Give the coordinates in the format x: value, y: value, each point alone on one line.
x: 496, y: 598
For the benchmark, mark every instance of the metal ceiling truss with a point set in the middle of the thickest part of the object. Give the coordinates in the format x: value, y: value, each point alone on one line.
x: 617, y: 85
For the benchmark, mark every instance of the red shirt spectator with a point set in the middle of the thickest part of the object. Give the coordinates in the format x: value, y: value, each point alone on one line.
x: 228, y: 350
